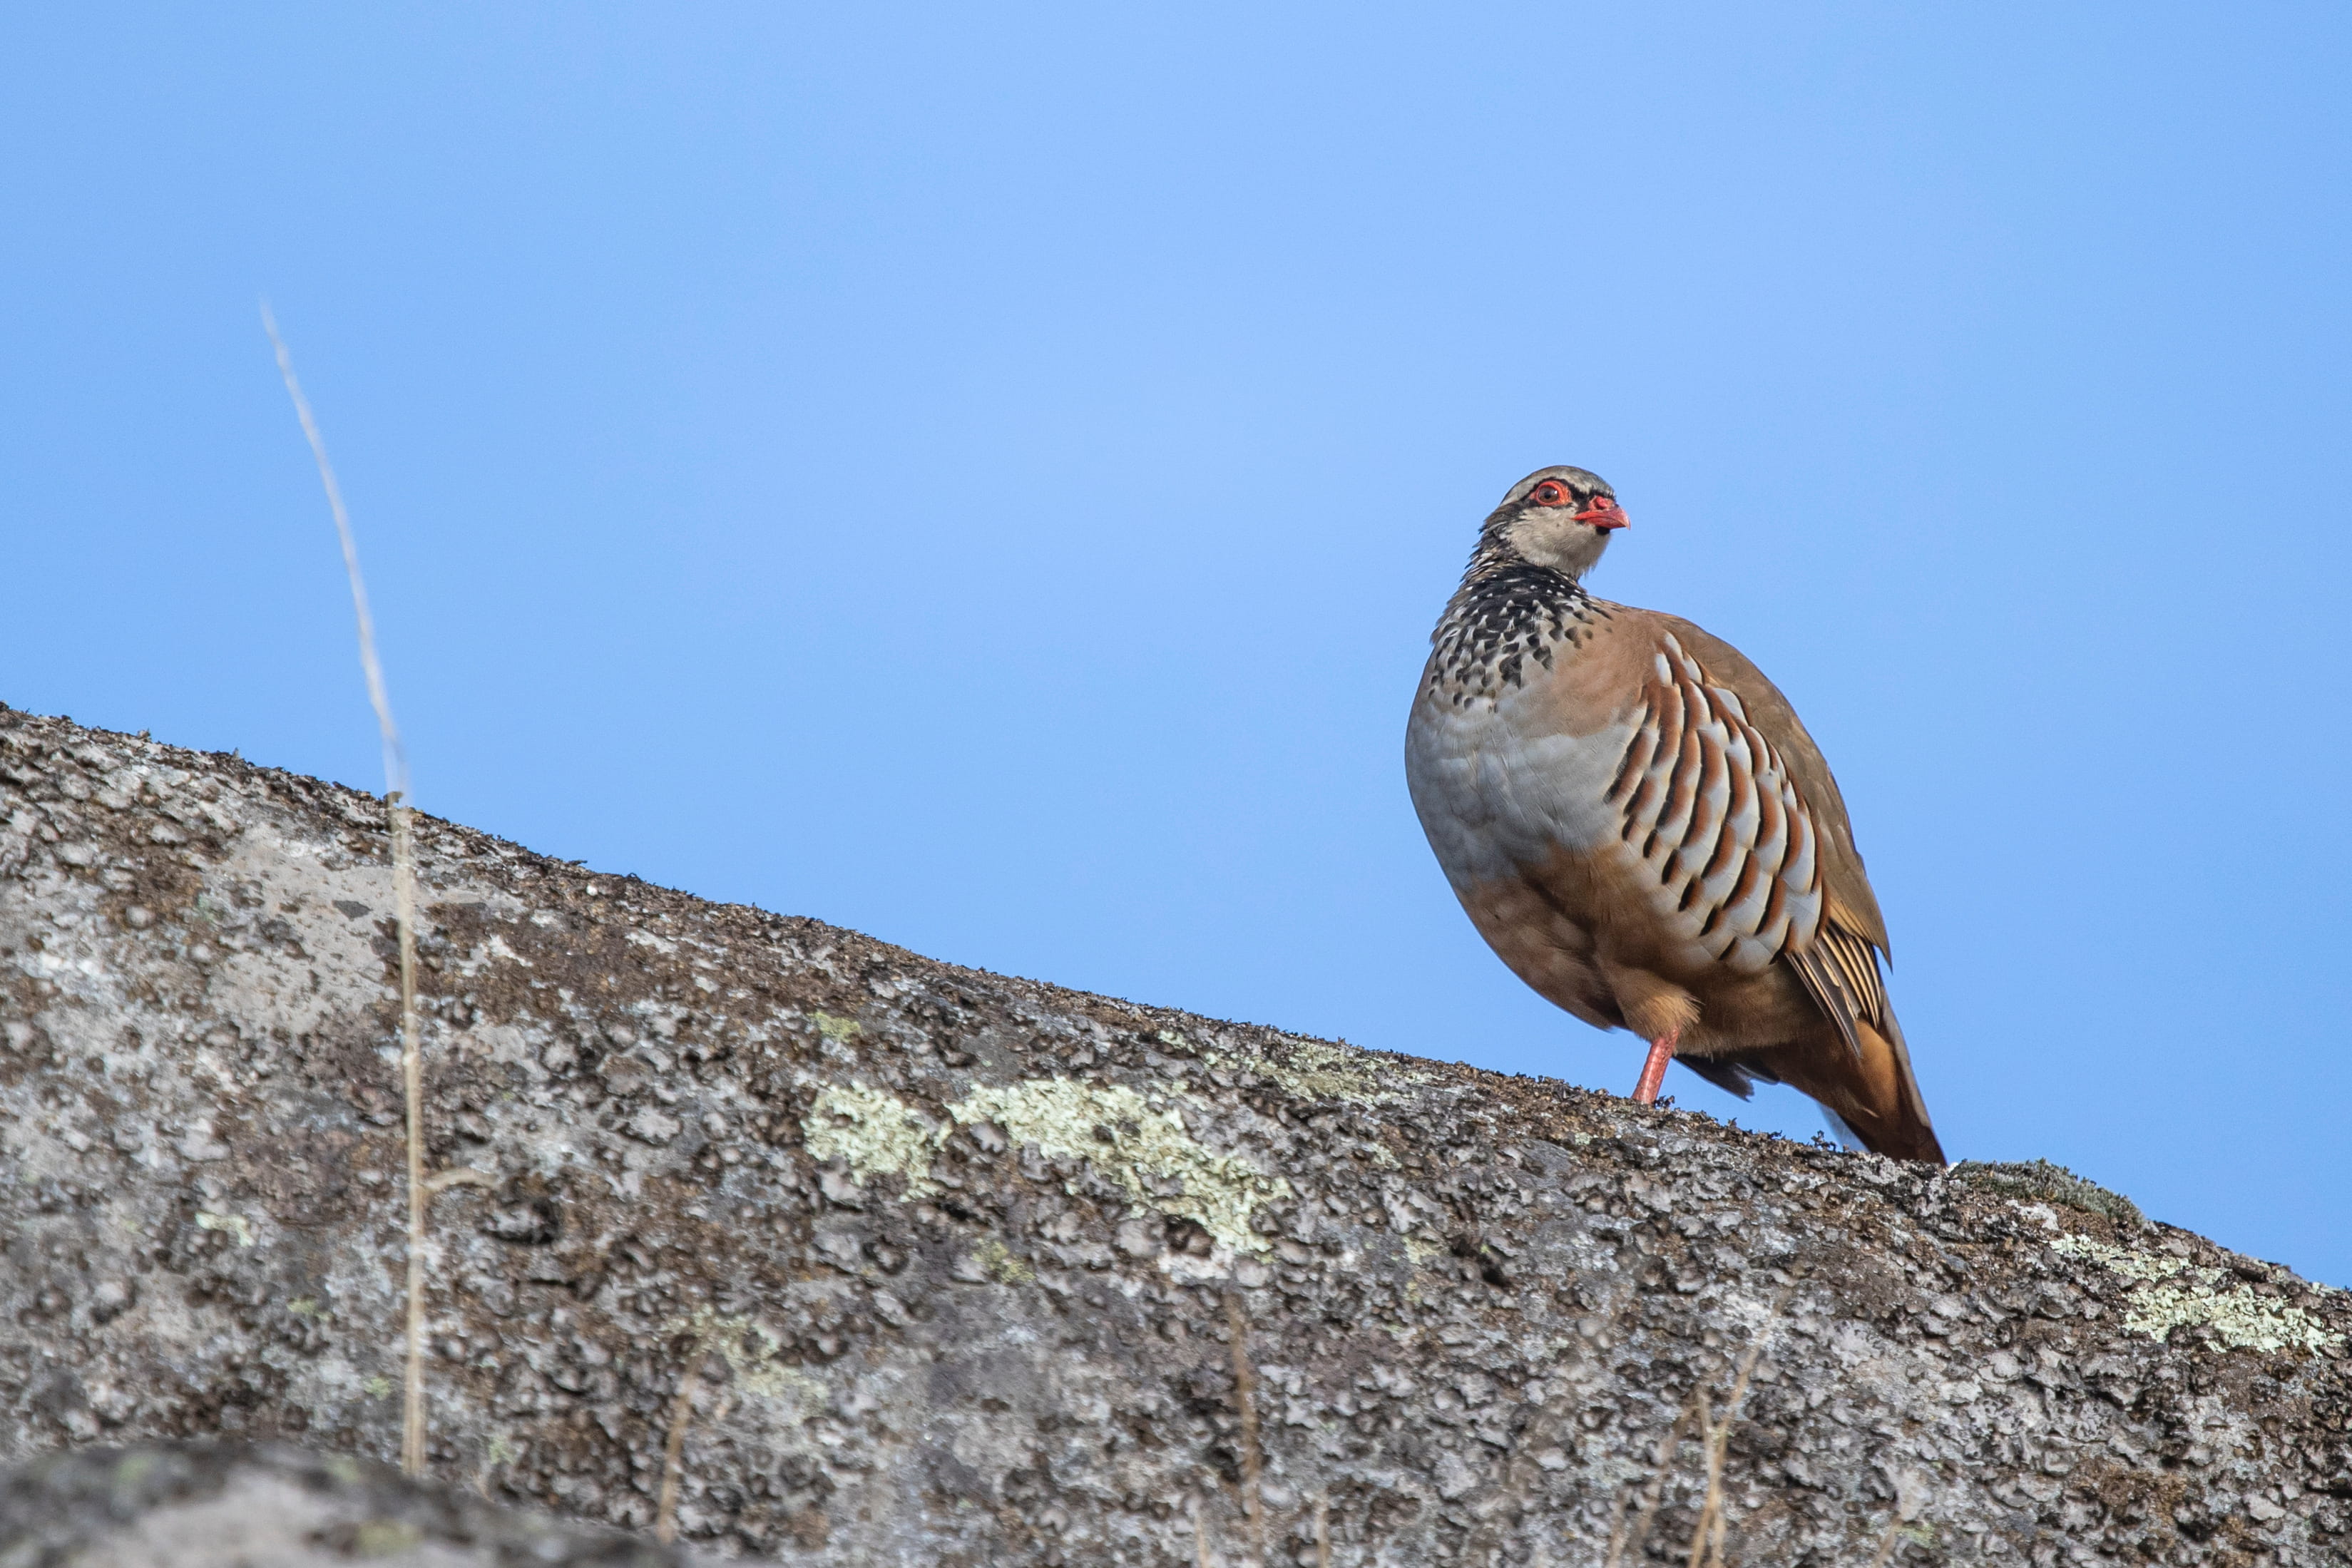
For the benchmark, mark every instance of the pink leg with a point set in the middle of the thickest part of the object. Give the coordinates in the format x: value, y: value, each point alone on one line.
x: 1654, y: 1072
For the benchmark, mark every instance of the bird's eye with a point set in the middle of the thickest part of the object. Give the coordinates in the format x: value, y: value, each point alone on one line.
x: 1548, y: 494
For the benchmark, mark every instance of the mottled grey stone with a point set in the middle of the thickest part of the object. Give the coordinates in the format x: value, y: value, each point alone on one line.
x: 940, y: 1267
x: 233, y: 1505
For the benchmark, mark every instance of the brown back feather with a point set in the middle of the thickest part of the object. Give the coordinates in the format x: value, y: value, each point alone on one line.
x: 1839, y: 968
x: 1851, y: 901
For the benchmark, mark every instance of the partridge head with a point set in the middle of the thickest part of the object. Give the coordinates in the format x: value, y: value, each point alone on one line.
x: 1638, y: 823
x: 1557, y: 518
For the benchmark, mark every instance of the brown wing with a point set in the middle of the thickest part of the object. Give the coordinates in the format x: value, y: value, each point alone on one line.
x: 1840, y: 964
x: 1711, y: 809
x: 1852, y: 903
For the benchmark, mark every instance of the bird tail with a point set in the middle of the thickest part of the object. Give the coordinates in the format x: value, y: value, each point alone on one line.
x: 1868, y: 1084
x: 1895, y: 1120
x: 1867, y: 1091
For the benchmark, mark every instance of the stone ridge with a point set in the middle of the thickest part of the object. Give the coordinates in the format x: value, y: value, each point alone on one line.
x: 926, y: 1265
x: 235, y: 1505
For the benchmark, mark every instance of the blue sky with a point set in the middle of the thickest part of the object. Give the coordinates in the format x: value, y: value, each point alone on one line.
x: 985, y: 477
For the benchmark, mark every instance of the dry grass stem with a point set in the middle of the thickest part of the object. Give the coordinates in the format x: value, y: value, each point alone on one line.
x: 1245, y: 1396
x: 1710, y: 1507
x: 1886, y: 1541
x: 1707, y: 1539
x: 1200, y: 1536
x: 1617, y: 1542
x: 1323, y: 1531
x: 681, y: 1417
x: 411, y: 1086
x: 403, y: 903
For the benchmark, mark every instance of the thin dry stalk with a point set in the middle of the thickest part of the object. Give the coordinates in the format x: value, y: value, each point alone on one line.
x: 1323, y: 1531
x: 1617, y: 1542
x: 404, y: 904
x: 1245, y: 1395
x: 412, y: 1087
x: 1748, y: 1362
x: 1708, y: 1538
x: 1886, y: 1541
x: 681, y: 1416
x: 1200, y: 1536
x: 1710, y: 1507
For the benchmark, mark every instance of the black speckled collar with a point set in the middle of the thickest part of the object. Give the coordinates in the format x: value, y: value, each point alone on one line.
x: 1507, y: 610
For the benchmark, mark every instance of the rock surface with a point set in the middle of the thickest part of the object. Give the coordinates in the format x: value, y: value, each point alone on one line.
x: 241, y: 1505
x: 921, y: 1265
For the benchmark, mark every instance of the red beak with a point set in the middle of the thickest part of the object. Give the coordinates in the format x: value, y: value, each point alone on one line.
x: 1605, y: 514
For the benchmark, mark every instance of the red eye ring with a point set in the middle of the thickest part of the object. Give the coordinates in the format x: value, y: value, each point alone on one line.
x: 1550, y: 493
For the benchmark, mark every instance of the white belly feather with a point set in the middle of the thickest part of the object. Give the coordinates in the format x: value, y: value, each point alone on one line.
x: 1497, y: 796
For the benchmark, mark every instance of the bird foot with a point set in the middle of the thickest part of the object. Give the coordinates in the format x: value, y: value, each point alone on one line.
x: 1654, y: 1070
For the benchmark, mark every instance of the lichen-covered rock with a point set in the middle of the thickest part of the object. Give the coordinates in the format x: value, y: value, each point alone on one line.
x: 235, y: 1505
x: 920, y: 1265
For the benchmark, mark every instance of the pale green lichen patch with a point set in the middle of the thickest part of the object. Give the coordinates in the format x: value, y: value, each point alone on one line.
x: 2168, y: 1293
x: 1003, y: 1264
x: 2041, y: 1179
x: 833, y: 1028
x: 1147, y: 1151
x: 384, y: 1538
x: 754, y: 1353
x: 873, y: 1131
x: 232, y: 1225
x: 1111, y: 1125
x: 1311, y: 1069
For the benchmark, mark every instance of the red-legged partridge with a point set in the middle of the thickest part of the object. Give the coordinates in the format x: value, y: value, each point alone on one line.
x: 1639, y: 825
